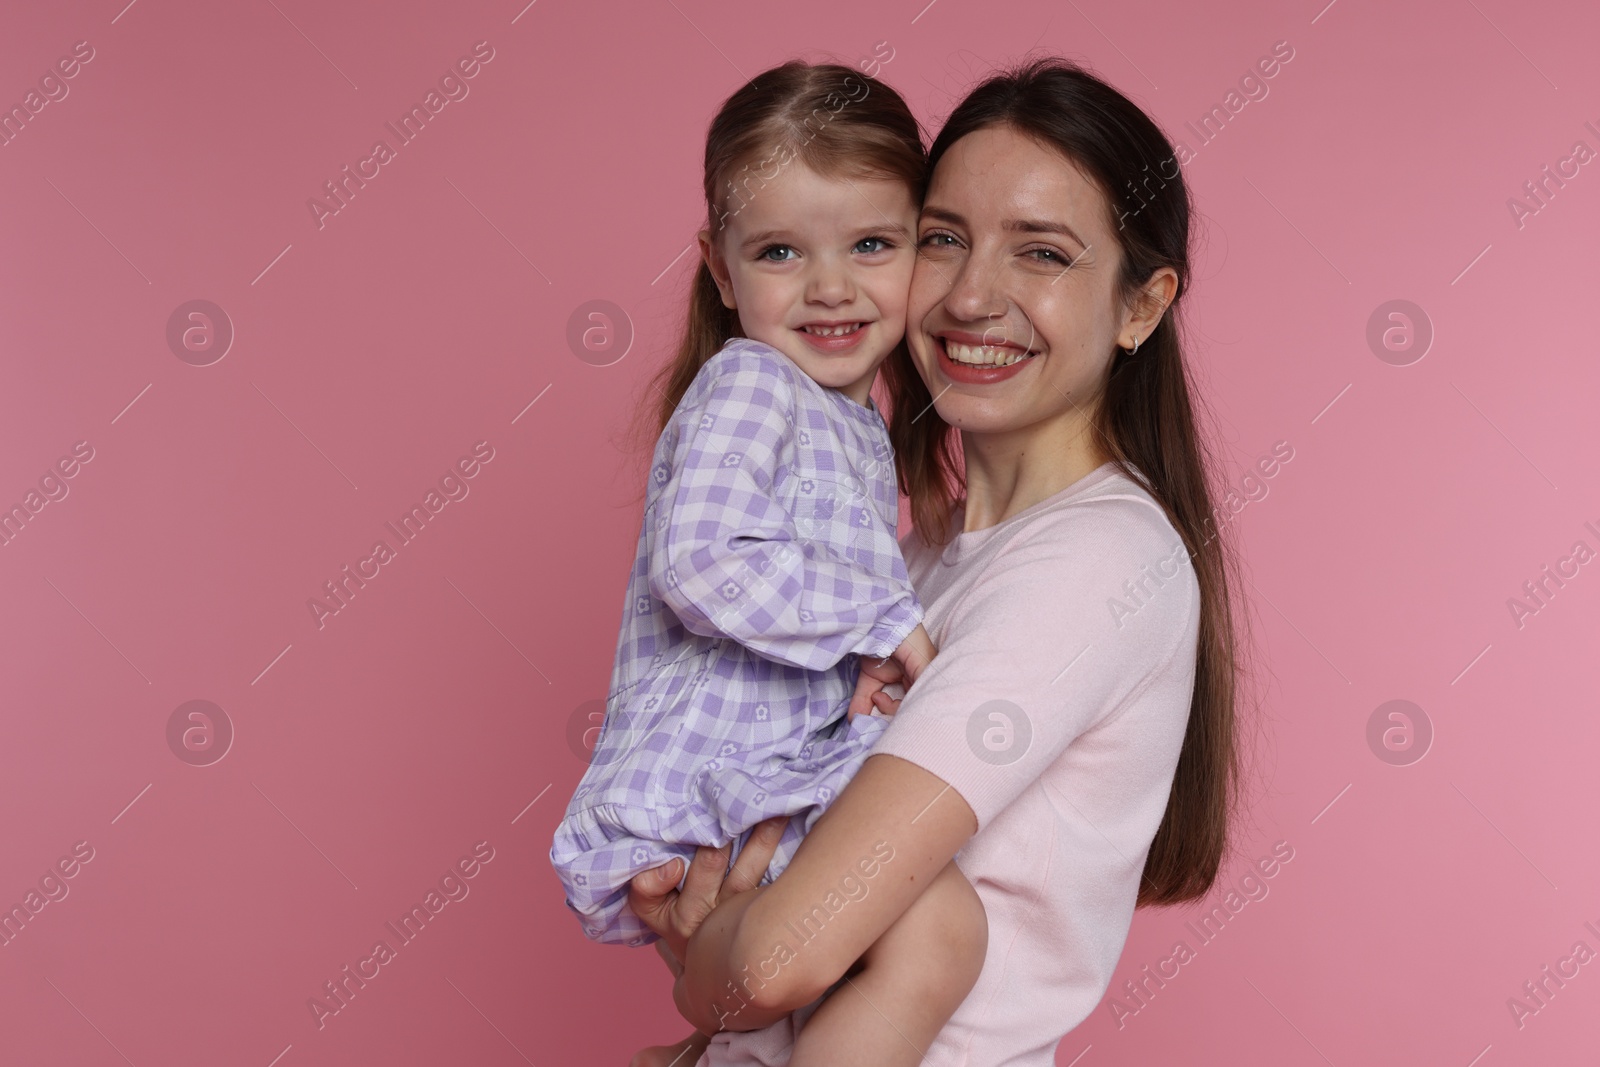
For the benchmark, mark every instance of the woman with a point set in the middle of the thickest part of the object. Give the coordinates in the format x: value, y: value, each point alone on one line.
x: 1072, y: 744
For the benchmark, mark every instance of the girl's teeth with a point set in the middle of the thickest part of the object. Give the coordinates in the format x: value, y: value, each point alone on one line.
x: 983, y: 355
x: 833, y: 331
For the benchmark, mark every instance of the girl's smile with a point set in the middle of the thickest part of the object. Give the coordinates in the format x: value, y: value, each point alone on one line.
x: 834, y: 337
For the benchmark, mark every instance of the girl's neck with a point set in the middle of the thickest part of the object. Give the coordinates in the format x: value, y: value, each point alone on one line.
x: 1010, y: 471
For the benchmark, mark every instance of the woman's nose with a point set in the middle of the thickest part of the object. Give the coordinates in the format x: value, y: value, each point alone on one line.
x: 975, y: 292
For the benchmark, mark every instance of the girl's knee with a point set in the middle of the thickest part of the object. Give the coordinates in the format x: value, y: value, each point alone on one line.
x: 948, y: 930
x: 966, y: 928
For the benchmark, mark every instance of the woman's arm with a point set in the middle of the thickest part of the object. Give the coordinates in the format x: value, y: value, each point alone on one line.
x: 1035, y: 611
x: 675, y: 914
x: 763, y: 953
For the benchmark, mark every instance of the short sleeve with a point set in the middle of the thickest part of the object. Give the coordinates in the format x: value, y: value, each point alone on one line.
x: 726, y: 556
x: 1064, y: 626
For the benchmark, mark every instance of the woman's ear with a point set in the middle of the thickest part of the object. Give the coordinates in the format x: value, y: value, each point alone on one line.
x: 1150, y: 304
x: 712, y: 254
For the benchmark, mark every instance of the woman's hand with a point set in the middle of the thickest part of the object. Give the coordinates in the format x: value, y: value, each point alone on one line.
x: 675, y: 914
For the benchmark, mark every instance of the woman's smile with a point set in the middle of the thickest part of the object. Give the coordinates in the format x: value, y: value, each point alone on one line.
x: 974, y: 359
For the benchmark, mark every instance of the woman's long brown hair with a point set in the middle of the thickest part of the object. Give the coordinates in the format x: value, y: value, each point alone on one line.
x: 1145, y: 418
x: 837, y: 121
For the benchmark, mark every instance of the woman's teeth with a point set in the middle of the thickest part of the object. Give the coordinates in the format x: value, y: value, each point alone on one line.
x: 833, y: 331
x: 985, y: 355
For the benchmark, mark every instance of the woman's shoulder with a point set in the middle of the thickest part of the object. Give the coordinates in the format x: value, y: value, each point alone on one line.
x: 1083, y: 542
x: 1116, y: 521
x: 1108, y: 552
x: 1109, y: 534
x: 1107, y: 506
x: 1110, y: 499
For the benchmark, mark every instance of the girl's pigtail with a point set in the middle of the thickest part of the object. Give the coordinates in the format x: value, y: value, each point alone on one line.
x: 707, y: 327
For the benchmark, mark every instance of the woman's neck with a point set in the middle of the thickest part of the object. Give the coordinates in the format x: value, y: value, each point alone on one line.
x: 1011, y: 471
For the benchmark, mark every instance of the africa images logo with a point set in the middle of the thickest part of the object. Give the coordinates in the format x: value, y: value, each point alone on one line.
x: 342, y: 590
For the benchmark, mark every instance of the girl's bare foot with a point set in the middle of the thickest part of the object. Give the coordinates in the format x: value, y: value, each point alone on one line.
x: 685, y: 1053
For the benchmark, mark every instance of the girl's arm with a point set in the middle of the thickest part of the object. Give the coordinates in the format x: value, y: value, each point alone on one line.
x: 729, y: 559
x: 765, y: 952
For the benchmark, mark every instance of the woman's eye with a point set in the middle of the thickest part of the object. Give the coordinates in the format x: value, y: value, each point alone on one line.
x: 767, y: 253
x: 1049, y: 255
x: 937, y: 240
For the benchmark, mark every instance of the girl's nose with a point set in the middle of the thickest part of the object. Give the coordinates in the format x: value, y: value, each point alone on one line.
x: 830, y: 284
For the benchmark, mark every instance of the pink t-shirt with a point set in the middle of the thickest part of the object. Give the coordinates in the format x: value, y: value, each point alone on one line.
x: 1056, y: 708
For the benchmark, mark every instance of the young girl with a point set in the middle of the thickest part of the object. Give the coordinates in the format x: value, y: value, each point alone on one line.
x: 767, y: 564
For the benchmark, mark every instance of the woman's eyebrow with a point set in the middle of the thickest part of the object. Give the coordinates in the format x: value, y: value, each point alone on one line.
x: 1043, y: 226
x: 1017, y: 225
x: 940, y: 214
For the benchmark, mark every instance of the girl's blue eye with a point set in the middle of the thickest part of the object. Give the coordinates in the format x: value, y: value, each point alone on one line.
x: 766, y: 253
x: 879, y: 241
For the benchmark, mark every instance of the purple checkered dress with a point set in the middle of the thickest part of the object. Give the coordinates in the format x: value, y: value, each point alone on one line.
x: 767, y: 565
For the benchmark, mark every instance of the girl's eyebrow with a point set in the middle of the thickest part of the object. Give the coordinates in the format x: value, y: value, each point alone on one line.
x: 764, y: 237
x: 893, y: 228
x: 769, y: 236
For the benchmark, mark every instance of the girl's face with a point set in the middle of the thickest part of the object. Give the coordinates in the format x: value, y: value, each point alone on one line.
x: 1012, y: 311
x: 818, y: 268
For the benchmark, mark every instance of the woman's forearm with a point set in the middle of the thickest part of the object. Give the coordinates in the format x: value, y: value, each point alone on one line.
x: 763, y: 953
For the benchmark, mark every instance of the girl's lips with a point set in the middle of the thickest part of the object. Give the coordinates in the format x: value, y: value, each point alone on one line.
x: 971, y: 374
x: 835, y: 345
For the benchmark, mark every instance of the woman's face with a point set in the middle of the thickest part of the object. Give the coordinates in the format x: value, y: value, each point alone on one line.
x: 1012, y: 319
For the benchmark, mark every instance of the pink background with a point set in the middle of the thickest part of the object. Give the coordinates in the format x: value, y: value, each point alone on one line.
x: 434, y: 711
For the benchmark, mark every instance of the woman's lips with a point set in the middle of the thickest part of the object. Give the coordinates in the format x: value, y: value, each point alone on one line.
x: 976, y: 374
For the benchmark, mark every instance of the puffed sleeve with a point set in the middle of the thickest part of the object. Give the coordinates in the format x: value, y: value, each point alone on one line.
x: 725, y: 555
x: 1065, y: 626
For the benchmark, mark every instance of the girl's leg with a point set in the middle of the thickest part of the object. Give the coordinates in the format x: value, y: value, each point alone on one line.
x: 910, y: 982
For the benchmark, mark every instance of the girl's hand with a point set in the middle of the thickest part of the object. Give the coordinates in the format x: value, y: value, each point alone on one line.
x: 875, y: 674
x: 915, y: 653
x: 675, y: 914
x: 901, y: 667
